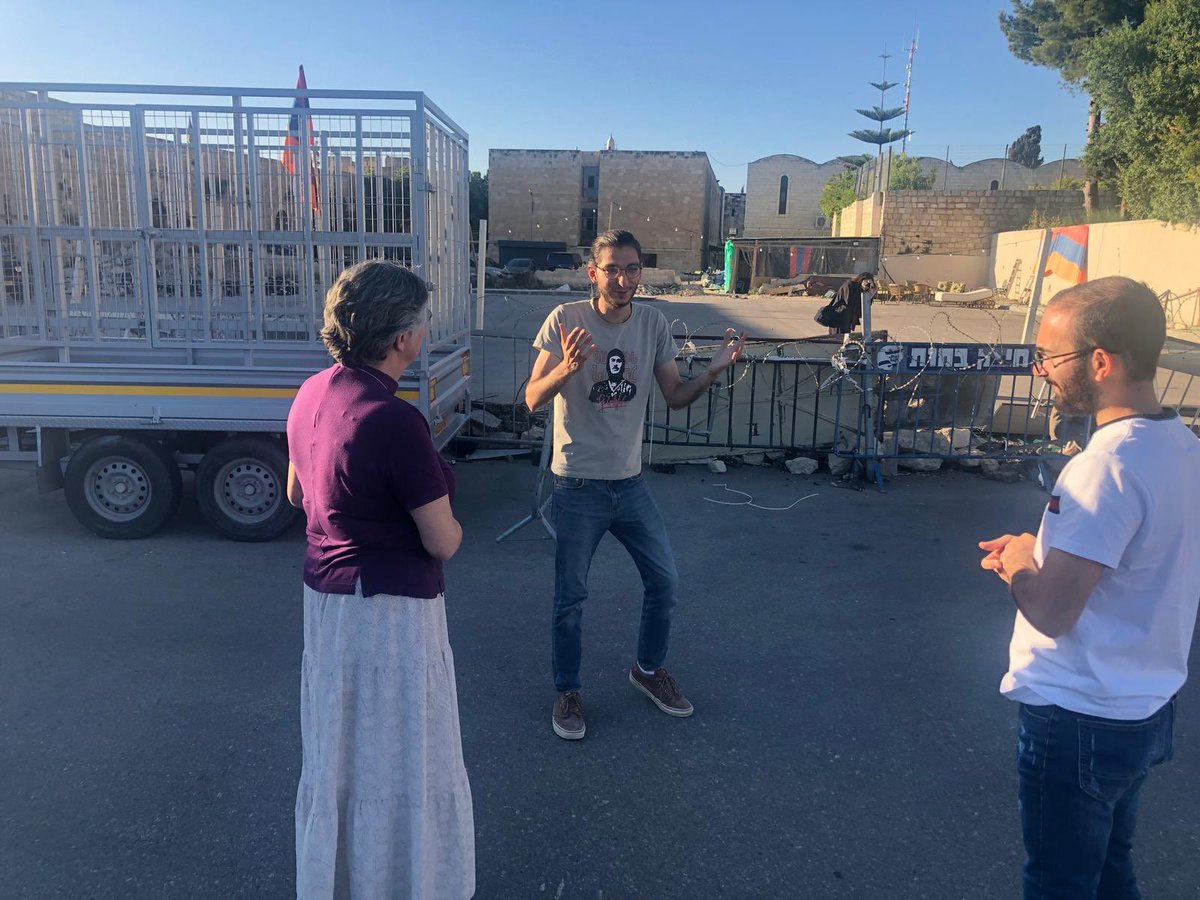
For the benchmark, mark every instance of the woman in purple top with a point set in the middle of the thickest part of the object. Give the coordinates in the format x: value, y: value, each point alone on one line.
x: 384, y: 806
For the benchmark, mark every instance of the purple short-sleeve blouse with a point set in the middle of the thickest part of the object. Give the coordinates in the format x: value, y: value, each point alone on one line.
x: 365, y: 460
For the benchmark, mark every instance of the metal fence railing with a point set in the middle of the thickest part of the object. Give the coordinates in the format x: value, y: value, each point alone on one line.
x: 764, y: 402
x: 883, y: 401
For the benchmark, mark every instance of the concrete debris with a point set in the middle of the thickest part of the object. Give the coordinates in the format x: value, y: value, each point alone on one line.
x: 958, y: 439
x: 922, y: 441
x: 919, y: 464
x: 755, y: 459
x: 997, y: 471
x: 563, y: 289
x: 486, y: 419
x: 717, y: 467
x: 839, y: 465
x: 801, y: 465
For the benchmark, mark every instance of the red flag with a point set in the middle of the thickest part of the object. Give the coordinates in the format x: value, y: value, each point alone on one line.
x: 292, y: 142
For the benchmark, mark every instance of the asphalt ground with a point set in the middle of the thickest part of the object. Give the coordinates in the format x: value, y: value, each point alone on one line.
x: 843, y: 657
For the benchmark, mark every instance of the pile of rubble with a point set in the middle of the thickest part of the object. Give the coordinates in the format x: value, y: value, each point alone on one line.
x: 910, y: 450
x: 785, y: 287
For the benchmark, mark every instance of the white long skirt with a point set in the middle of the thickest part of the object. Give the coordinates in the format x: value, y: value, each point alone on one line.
x: 384, y: 805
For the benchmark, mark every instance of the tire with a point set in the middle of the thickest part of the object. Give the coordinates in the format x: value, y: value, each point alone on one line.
x: 241, y: 489
x: 123, y: 487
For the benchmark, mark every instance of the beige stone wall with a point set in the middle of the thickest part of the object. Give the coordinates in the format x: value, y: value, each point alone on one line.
x: 665, y: 199
x: 670, y: 200
x: 944, y: 222
x: 1163, y: 256
x: 861, y: 218
x: 806, y: 180
x: 974, y: 271
x: 555, y: 178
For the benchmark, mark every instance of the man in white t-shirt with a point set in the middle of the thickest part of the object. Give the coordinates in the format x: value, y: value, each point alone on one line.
x: 600, y: 360
x: 1106, y: 595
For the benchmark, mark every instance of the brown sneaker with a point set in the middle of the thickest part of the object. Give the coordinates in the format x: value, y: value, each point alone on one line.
x: 663, y: 690
x: 568, y: 716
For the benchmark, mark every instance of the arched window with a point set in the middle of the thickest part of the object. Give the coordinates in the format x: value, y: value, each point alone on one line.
x: 783, y: 181
x: 994, y: 186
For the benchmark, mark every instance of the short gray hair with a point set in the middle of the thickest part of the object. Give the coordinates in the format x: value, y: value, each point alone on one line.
x: 369, y: 305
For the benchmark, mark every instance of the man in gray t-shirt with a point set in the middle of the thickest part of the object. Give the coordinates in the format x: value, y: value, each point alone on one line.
x: 599, y: 360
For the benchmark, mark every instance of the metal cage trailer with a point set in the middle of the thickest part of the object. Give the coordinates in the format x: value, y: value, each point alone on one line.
x: 164, y: 258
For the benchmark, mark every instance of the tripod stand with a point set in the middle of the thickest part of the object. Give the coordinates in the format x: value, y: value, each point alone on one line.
x: 543, y: 489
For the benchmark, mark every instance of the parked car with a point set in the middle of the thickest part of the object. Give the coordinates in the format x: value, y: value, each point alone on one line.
x: 559, y: 259
x: 519, y: 266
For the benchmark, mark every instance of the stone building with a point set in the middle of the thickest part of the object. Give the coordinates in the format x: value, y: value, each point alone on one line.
x: 783, y: 192
x: 981, y: 175
x: 783, y: 196
x: 669, y: 199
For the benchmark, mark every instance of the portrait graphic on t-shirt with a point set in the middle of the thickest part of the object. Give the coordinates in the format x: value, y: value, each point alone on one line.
x: 614, y: 391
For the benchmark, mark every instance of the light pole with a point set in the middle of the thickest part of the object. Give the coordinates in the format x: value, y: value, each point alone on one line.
x: 531, y: 214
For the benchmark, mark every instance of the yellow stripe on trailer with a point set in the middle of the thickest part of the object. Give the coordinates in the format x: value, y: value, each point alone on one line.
x: 164, y: 390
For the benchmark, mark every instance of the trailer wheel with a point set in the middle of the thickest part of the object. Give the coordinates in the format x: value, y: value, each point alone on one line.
x: 122, y: 487
x: 241, y: 488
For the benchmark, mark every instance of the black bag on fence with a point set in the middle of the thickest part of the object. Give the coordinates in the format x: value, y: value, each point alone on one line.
x: 830, y: 315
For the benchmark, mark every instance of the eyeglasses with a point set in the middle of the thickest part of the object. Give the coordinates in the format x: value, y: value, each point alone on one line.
x: 631, y: 271
x: 1040, y: 359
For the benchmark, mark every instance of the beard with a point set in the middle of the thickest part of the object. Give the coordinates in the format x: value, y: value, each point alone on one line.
x: 1077, y: 395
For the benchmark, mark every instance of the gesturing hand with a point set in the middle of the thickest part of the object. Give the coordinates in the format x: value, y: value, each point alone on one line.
x: 577, y: 347
x: 1008, y: 554
x: 729, y: 353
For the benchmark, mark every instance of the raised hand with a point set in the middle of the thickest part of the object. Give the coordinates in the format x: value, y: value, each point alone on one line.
x: 729, y: 353
x: 577, y: 347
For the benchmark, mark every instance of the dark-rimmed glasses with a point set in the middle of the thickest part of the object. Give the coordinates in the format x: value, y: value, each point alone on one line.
x: 1040, y: 359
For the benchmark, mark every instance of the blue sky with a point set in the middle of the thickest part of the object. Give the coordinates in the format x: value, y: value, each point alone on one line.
x: 740, y: 81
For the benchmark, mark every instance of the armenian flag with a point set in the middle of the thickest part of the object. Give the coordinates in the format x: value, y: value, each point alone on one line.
x: 291, y: 143
x: 1068, y: 253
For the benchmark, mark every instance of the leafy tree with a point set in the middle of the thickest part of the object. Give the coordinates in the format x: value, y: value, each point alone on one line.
x: 855, y: 160
x: 907, y: 175
x: 1027, y: 149
x: 1057, y: 34
x: 1146, y: 79
x: 839, y: 192
x: 478, y: 200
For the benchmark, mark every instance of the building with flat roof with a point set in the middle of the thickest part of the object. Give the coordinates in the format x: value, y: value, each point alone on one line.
x: 669, y: 199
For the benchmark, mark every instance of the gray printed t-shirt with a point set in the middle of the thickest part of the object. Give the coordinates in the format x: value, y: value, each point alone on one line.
x: 599, y: 413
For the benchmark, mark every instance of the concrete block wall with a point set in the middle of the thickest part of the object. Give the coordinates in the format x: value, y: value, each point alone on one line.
x: 943, y: 222
x: 554, y: 176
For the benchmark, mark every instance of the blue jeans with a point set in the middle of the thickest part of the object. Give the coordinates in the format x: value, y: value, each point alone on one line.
x: 584, y: 509
x: 1080, y: 777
